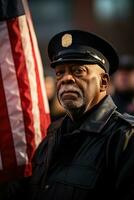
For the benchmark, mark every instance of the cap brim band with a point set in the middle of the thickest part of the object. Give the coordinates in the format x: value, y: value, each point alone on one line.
x: 83, y: 61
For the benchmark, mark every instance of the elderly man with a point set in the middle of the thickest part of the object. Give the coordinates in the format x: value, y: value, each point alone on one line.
x: 90, y: 152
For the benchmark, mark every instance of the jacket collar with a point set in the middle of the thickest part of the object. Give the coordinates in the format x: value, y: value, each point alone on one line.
x: 99, y: 116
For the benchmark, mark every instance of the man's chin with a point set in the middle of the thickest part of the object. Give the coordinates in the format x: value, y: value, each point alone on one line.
x: 70, y: 108
x: 70, y: 105
x: 73, y: 108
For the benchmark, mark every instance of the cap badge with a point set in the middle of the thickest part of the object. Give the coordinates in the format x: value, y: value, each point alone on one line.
x: 66, y: 40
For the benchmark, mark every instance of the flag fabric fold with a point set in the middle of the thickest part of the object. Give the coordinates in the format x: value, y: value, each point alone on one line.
x: 24, y: 110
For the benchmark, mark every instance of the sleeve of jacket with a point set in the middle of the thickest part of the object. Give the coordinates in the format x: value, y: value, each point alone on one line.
x: 15, y: 189
x: 125, y: 167
x: 120, y: 163
x: 19, y: 189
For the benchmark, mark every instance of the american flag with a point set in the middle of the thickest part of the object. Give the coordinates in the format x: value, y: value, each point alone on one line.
x: 24, y: 110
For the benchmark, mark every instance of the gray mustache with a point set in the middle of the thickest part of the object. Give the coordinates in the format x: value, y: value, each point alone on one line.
x: 69, y: 89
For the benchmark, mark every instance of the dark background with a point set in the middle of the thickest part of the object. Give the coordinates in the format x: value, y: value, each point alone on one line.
x: 111, y: 19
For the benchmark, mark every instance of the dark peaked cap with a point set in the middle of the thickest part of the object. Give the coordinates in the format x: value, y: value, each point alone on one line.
x: 82, y: 47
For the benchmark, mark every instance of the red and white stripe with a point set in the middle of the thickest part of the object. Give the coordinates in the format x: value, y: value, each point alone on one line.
x: 25, y: 111
x: 0, y: 163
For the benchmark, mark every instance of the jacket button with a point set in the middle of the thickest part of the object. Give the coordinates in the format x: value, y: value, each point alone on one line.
x: 47, y: 187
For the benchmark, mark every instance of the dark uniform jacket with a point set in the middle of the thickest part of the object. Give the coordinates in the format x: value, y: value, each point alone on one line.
x: 92, y: 158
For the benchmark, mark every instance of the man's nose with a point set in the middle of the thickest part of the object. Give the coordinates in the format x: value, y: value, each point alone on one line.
x: 68, y: 77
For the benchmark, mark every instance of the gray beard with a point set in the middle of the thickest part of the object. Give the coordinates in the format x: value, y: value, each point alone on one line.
x: 76, y: 113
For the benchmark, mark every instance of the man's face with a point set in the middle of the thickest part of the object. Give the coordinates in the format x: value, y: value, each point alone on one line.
x: 78, y: 85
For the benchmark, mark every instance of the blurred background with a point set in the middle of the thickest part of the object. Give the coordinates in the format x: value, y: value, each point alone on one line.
x: 111, y: 19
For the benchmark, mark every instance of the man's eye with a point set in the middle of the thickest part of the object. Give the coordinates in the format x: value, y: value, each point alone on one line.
x: 59, y: 74
x: 78, y: 71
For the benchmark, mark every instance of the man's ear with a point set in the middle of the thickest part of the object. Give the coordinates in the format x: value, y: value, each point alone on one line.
x: 105, y: 80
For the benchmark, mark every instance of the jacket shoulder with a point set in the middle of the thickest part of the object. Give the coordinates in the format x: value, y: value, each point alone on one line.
x: 120, y: 139
x: 125, y: 118
x: 129, y: 118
